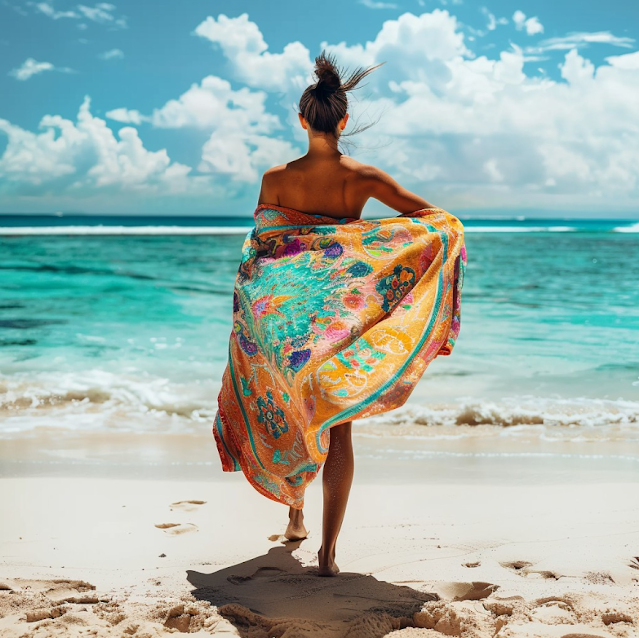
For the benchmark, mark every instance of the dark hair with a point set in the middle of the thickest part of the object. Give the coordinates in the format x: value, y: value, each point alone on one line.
x: 324, y: 103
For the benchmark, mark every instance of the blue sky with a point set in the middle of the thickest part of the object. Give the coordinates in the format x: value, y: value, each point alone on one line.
x: 170, y: 108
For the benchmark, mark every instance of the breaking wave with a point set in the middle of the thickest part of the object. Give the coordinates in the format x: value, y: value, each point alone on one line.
x: 97, y: 399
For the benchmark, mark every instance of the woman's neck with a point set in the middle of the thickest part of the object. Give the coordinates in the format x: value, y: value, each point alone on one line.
x: 322, y: 145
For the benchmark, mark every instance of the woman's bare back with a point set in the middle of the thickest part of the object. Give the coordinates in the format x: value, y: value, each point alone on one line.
x: 335, y: 186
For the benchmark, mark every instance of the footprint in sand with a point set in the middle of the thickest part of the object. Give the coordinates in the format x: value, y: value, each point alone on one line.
x: 262, y: 572
x: 186, y: 506
x: 175, y: 529
x: 610, y: 617
x: 519, y: 566
x: 522, y: 568
x: 475, y: 590
x: 548, y: 574
x: 554, y: 612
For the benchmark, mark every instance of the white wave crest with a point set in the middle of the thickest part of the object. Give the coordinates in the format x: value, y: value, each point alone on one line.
x: 549, y: 418
x: 127, y: 401
x: 92, y: 399
x: 520, y: 229
x: 124, y: 230
x: 633, y: 228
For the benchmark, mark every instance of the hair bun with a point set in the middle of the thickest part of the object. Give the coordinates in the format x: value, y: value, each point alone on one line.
x: 328, y: 75
x: 325, y: 102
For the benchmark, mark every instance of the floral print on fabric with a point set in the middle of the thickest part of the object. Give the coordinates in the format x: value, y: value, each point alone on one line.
x: 333, y: 320
x: 395, y: 286
x: 271, y: 416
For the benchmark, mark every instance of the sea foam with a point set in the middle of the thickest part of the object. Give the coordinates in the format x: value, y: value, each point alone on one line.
x: 95, y: 399
x: 633, y: 228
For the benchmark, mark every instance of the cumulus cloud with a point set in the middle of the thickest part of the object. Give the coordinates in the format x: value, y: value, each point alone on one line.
x: 242, y: 155
x: 31, y: 67
x: 241, y: 130
x: 213, y: 103
x: 532, y: 26
x: 485, y: 127
x: 561, y: 142
x: 465, y: 130
x: 243, y: 45
x: 630, y: 61
x: 127, y: 116
x: 112, y: 54
x: 86, y: 157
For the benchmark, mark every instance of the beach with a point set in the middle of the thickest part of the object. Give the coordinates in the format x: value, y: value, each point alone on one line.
x: 427, y: 548
x: 501, y: 500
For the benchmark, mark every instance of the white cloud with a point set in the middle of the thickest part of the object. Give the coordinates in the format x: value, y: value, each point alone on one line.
x: 86, y: 157
x: 241, y: 155
x: 241, y: 131
x: 126, y: 116
x: 29, y: 68
x: 375, y: 4
x: 401, y: 44
x: 484, y: 127
x: 101, y: 13
x: 48, y: 10
x: 243, y: 45
x: 630, y: 61
x: 112, y: 54
x: 461, y: 129
x: 581, y: 39
x: 212, y: 103
x: 215, y: 104
x: 493, y: 22
x: 531, y: 25
x: 472, y: 124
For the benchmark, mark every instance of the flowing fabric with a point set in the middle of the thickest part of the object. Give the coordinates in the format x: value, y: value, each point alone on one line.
x: 333, y: 320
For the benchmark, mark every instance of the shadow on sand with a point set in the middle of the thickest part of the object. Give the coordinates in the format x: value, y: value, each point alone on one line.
x: 274, y: 595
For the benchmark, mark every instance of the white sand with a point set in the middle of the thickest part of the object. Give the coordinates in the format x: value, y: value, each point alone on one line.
x: 515, y: 561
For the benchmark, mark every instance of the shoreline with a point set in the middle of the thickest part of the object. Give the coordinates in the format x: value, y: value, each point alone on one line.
x: 464, y: 559
x: 476, y: 531
x: 483, y: 454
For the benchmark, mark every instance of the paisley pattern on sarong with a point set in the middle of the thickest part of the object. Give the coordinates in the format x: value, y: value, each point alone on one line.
x: 333, y: 320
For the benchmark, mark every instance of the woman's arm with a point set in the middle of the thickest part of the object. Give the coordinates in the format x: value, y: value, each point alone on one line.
x: 385, y: 189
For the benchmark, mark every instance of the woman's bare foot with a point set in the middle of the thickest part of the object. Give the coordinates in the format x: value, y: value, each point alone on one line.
x: 327, y: 566
x: 295, y: 530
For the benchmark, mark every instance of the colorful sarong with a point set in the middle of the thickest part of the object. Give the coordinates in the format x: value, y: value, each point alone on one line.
x: 333, y: 320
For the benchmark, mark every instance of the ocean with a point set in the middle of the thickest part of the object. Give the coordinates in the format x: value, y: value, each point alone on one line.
x: 121, y: 324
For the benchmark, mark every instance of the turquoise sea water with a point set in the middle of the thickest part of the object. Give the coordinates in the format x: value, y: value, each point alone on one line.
x: 123, y: 323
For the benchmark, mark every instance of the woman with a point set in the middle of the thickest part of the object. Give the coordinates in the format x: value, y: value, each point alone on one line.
x: 334, y: 318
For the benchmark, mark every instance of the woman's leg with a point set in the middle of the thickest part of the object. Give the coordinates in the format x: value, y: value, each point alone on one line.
x: 336, y: 480
x: 295, y: 530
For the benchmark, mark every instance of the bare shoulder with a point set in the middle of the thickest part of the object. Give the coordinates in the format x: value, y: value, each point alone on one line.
x: 271, y: 180
x: 367, y: 172
x: 274, y: 172
x: 380, y: 185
